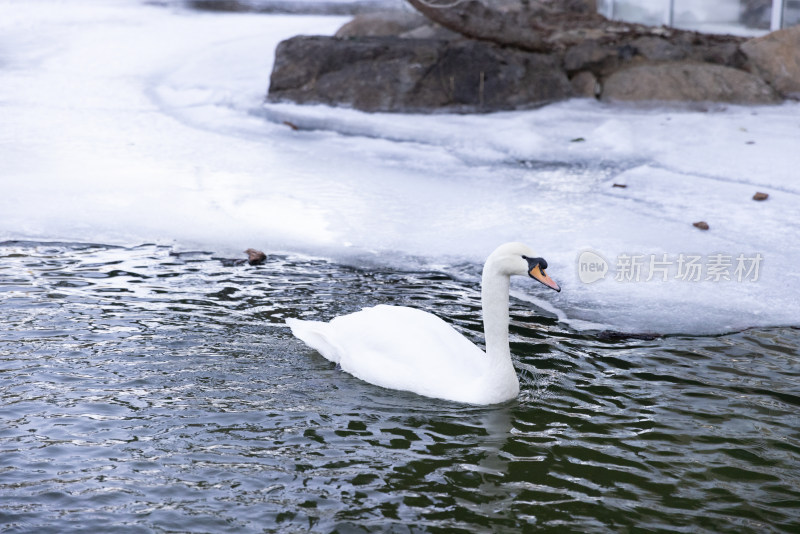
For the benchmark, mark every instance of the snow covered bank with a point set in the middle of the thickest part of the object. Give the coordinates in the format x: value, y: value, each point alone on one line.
x: 126, y: 123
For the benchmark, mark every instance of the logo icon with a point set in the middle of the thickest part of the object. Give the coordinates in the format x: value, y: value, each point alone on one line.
x: 591, y: 267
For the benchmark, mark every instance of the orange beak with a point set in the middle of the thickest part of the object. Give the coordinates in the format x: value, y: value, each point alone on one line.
x: 541, y: 276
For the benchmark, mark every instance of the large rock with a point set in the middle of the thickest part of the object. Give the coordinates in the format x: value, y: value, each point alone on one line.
x: 604, y: 58
x: 382, y: 24
x: 687, y: 81
x: 432, y: 31
x: 389, y: 74
x: 406, y: 24
x: 584, y: 84
x: 350, y: 7
x: 776, y: 58
x: 598, y: 58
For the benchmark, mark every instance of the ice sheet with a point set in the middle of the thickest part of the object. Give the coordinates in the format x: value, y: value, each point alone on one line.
x: 127, y: 123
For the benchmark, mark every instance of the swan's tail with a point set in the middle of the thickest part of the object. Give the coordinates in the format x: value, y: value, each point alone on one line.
x: 314, y: 334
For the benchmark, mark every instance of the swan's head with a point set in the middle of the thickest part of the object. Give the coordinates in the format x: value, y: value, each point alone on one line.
x: 516, y: 259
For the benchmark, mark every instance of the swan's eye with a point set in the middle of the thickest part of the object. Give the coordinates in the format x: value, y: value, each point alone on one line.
x: 533, y: 262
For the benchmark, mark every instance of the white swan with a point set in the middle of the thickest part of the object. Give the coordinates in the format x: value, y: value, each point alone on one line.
x: 408, y: 349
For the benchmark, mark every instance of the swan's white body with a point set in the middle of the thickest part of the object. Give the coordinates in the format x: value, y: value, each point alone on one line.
x: 404, y: 348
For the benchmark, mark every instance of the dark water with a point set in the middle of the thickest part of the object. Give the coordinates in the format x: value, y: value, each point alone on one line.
x: 159, y: 393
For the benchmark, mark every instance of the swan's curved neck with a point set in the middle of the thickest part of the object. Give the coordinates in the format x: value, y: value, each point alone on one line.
x: 494, y: 297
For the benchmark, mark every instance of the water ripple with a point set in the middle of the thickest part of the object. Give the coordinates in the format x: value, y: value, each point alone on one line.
x: 158, y: 391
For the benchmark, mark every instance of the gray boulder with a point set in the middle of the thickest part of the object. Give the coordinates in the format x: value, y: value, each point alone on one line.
x: 390, y: 74
x: 689, y: 82
x: 585, y: 84
x: 776, y: 58
x: 604, y: 58
x: 718, y: 49
x: 658, y: 49
x: 432, y: 31
x: 406, y: 24
x: 595, y: 57
x: 382, y: 24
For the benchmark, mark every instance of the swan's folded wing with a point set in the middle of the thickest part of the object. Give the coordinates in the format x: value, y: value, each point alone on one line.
x: 404, y: 348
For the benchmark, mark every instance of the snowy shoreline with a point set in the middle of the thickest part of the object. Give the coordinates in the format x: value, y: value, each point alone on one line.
x: 164, y: 139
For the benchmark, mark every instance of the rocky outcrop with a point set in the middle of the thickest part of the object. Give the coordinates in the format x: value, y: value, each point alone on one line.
x: 687, y: 82
x: 432, y: 31
x: 351, y: 7
x: 602, y: 59
x: 389, y: 74
x: 776, y: 58
x: 585, y: 84
x: 405, y: 24
x: 382, y: 24
x: 508, y: 54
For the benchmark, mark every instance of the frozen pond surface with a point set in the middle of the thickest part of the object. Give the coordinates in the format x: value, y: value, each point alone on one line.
x: 154, y: 386
x: 131, y: 123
